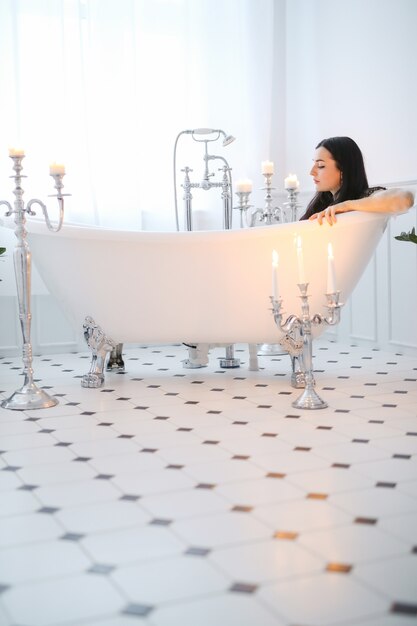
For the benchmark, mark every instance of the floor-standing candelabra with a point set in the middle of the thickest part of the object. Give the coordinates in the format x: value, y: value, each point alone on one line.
x: 309, y: 399
x: 29, y: 396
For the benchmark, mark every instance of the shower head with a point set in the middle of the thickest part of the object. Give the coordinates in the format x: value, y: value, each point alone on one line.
x: 228, y: 139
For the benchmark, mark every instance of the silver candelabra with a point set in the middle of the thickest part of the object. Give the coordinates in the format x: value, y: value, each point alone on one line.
x: 292, y: 205
x: 29, y: 396
x: 269, y: 214
x: 302, y: 346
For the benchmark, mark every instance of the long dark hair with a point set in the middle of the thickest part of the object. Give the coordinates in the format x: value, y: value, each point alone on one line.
x: 349, y: 161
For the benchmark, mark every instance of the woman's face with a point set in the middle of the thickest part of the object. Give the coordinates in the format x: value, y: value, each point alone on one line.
x: 325, y: 173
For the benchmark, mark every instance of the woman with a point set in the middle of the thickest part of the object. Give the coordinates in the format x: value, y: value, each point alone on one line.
x: 341, y: 184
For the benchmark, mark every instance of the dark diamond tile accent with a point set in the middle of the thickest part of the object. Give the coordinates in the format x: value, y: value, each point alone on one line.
x: 240, y: 508
x: 125, y: 436
x: 205, y: 486
x: 211, y: 442
x: 11, y: 468
x: 290, y: 416
x: 192, y: 402
x: 142, y: 408
x: 340, y: 568
x: 161, y: 417
x: 386, y: 484
x: 239, y: 423
x: 264, y: 406
x: 402, y: 456
x: 381, y: 373
x: 50, y: 510
x: 302, y: 449
x: 284, y: 393
x: 324, y: 427
x: 217, y: 389
x: 356, y: 396
x: 150, y: 450
x: 196, y: 551
x: 152, y: 386
x: 197, y: 382
x: 390, y: 406
x: 82, y: 459
x: 329, y: 389
x: 174, y: 466
x: 32, y: 419
x: 414, y: 550
x: 183, y: 429
x: 160, y: 522
x: 269, y: 434
x: 261, y: 385
x: 239, y: 397
x: 240, y: 457
x: 275, y: 475
x: 243, y: 588
x: 404, y: 608
x: 99, y: 568
x: 136, y: 379
x: 129, y: 498
x: 72, y: 403
x: 104, y: 476
x: 4, y: 588
x: 344, y: 377
x: 360, y: 440
x: 400, y: 391
x: 214, y: 412
x: 171, y: 393
x: 72, y: 537
x: 28, y: 487
x: 285, y: 534
x: 317, y: 496
x: 63, y: 444
x: 139, y: 610
x: 341, y: 465
x: 376, y: 422
x: 105, y: 424
x: 342, y: 410
x: 411, y: 434
x: 88, y: 413
x: 366, y: 520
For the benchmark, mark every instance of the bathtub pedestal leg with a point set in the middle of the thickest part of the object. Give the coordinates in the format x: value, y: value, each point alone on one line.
x: 115, y: 362
x: 230, y: 361
x: 99, y: 345
x: 197, y: 356
x: 253, y: 357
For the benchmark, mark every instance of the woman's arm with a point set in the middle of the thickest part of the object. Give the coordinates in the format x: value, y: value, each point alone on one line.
x: 387, y: 201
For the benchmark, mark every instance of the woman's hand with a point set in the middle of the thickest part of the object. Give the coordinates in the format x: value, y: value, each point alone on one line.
x: 329, y: 214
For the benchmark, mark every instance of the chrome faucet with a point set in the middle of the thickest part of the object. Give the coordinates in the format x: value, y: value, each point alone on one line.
x: 225, y: 184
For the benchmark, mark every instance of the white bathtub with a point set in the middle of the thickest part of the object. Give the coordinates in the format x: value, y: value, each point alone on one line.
x: 196, y: 287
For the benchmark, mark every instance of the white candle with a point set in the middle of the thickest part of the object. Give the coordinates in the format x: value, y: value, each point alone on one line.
x: 291, y: 182
x: 244, y: 185
x: 16, y: 152
x: 274, y: 274
x: 331, y: 275
x: 267, y: 167
x: 300, y: 259
x: 56, y: 168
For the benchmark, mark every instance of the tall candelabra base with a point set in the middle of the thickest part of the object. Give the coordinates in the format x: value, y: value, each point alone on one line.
x: 309, y: 399
x: 29, y: 397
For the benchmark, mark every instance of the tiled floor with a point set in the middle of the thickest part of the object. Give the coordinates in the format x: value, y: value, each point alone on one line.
x: 175, y: 497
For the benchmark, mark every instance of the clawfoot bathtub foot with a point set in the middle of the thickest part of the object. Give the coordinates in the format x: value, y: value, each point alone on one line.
x: 253, y: 357
x: 197, y: 356
x: 99, y: 345
x: 115, y: 362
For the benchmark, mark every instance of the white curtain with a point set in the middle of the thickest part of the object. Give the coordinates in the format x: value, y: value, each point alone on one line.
x: 105, y: 86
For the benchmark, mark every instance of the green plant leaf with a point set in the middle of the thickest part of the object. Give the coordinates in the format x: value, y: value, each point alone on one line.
x: 411, y: 236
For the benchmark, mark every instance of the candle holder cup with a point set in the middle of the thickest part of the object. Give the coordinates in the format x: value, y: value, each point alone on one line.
x: 29, y: 396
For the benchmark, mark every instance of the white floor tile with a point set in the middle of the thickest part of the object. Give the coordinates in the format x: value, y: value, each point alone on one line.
x: 322, y: 600
x: 396, y: 578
